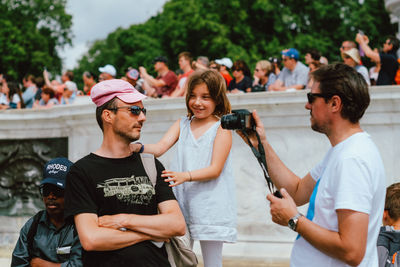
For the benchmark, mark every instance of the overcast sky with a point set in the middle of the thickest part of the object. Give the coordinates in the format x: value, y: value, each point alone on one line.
x: 95, y: 19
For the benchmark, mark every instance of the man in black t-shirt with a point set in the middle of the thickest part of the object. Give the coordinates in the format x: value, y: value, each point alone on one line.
x: 387, y: 58
x: 121, y: 219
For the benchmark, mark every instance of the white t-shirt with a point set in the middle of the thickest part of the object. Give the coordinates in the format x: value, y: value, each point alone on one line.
x: 352, y: 177
x: 3, y: 99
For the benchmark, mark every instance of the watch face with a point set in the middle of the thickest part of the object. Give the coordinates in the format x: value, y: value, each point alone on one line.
x: 292, y: 224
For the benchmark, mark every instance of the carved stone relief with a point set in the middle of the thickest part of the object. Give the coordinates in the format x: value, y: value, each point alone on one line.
x: 21, y: 170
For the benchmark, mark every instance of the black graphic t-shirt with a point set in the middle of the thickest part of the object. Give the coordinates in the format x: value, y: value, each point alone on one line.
x: 107, y: 186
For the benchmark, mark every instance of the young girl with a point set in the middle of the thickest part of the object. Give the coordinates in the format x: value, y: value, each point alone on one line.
x: 201, y: 172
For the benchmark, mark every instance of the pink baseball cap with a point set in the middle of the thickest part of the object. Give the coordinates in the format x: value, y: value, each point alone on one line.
x: 106, y: 90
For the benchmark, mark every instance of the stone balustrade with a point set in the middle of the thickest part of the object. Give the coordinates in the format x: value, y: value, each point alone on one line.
x: 288, y: 130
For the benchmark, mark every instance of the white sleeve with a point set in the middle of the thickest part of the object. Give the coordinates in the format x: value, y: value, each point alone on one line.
x: 352, y: 188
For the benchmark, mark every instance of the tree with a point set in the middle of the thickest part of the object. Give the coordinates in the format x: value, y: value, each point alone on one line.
x: 30, y: 32
x: 242, y: 29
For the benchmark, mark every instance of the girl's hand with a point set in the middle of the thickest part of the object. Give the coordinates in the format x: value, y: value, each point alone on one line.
x: 135, y: 147
x: 176, y: 177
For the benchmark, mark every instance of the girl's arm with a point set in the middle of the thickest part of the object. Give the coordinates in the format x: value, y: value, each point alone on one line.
x: 221, y: 148
x: 158, y: 149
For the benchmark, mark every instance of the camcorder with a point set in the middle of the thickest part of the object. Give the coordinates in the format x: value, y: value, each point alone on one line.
x: 242, y: 119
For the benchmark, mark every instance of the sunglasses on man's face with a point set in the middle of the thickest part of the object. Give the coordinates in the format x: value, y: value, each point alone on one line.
x: 46, y: 189
x: 135, y: 110
x: 312, y: 96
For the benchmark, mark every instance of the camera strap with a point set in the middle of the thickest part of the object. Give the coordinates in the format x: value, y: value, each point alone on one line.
x: 260, y: 155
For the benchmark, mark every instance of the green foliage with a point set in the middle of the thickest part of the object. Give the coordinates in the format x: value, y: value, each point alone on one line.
x: 30, y: 32
x: 240, y: 29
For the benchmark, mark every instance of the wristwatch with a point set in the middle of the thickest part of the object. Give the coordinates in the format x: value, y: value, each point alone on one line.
x: 293, y: 221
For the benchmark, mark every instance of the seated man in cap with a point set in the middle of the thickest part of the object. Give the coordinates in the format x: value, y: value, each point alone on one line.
x: 294, y: 75
x: 107, y: 72
x: 165, y: 82
x: 47, y: 238
x: 117, y: 211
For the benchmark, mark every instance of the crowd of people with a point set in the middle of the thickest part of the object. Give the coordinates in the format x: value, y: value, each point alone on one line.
x: 124, y: 217
x: 283, y: 73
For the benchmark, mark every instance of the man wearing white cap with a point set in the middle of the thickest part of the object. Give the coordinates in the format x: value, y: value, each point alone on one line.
x: 109, y: 192
x: 107, y: 72
x: 225, y: 63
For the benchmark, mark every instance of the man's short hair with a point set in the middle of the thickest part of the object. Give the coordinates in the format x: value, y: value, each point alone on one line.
x: 315, y: 54
x: 352, y: 44
x: 344, y: 81
x: 394, y: 42
x: 48, y: 91
x: 99, y: 110
x: 39, y: 81
x: 29, y: 77
x: 186, y: 55
x: 204, y: 60
x: 392, y: 201
x: 70, y: 75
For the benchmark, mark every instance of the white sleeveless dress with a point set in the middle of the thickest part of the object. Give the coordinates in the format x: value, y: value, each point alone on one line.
x: 209, y: 207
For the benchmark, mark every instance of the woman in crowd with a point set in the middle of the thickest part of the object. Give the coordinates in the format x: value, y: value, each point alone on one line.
x: 263, y: 76
x: 241, y: 82
x: 12, y: 96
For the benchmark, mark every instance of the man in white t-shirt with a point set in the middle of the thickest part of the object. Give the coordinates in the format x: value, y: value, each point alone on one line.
x: 345, y: 191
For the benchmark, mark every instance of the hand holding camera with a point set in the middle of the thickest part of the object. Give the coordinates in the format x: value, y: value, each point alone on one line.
x: 245, y: 123
x: 251, y: 129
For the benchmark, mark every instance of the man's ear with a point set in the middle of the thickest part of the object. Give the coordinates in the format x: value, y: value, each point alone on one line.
x: 336, y: 103
x: 107, y: 116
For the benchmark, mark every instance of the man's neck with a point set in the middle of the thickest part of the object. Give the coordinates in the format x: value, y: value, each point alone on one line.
x: 114, y: 147
x: 343, y: 131
x: 57, y: 220
x: 187, y: 69
x: 162, y: 72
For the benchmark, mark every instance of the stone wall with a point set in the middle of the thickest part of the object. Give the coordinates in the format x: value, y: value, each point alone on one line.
x: 288, y: 130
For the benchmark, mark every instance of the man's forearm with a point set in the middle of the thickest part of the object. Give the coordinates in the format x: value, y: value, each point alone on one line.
x: 168, y: 223
x: 332, y: 243
x: 279, y: 173
x: 95, y: 238
x: 38, y: 262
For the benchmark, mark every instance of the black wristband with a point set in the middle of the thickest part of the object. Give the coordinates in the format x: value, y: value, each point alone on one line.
x: 142, y: 148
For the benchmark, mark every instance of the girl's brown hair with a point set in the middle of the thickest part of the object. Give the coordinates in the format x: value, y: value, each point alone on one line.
x: 216, y: 86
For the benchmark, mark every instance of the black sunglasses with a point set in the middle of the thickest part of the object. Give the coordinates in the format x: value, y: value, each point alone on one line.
x: 46, y: 189
x: 135, y: 110
x: 312, y: 96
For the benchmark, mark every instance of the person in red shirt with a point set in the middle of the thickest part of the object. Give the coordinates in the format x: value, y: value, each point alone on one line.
x: 185, y: 60
x: 164, y: 84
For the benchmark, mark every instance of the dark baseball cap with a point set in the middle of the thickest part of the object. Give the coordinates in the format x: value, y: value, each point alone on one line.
x: 160, y: 59
x: 55, y: 172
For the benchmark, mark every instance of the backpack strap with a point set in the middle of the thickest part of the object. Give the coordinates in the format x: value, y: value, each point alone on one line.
x: 149, y: 165
x: 32, y: 231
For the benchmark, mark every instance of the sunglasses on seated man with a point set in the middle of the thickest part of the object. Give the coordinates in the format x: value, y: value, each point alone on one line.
x: 46, y: 189
x: 135, y: 110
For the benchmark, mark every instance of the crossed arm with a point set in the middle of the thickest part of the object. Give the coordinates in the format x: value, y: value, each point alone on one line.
x: 102, y: 234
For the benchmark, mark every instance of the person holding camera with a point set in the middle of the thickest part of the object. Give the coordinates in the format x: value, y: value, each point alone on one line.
x: 345, y: 191
x: 201, y: 173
